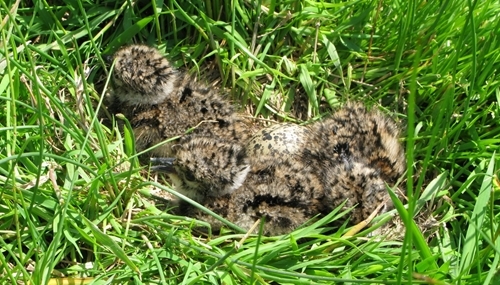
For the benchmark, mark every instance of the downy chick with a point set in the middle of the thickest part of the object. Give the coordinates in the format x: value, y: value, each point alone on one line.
x: 162, y: 102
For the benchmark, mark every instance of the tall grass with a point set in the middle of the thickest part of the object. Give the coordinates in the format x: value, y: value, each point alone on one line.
x: 75, y: 204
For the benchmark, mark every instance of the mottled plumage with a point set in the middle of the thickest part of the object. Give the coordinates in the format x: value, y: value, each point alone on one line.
x: 277, y: 142
x: 286, y: 173
x: 284, y: 193
x: 206, y: 167
x: 353, y: 152
x: 286, y: 187
x: 372, y: 139
x: 161, y: 102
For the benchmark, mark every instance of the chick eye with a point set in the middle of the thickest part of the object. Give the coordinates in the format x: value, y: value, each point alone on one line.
x: 189, y: 176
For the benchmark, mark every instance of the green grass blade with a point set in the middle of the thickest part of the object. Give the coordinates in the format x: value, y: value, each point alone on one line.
x: 469, y: 251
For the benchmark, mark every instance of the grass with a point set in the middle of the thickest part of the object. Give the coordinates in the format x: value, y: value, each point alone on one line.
x: 75, y: 203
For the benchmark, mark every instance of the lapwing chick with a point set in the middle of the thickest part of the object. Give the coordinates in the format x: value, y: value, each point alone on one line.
x: 161, y: 102
x: 372, y: 138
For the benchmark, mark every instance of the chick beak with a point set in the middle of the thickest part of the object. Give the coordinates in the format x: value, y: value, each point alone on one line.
x: 162, y: 164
